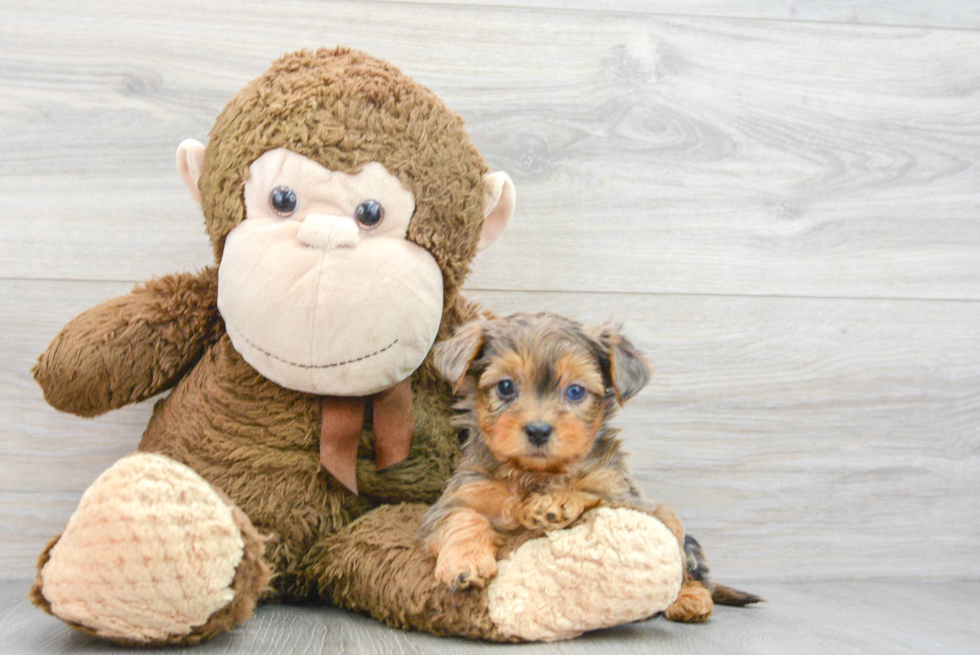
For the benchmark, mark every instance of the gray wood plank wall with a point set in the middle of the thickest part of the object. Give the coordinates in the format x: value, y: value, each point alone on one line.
x: 780, y: 200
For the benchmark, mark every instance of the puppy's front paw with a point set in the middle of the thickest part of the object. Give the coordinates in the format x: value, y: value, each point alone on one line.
x: 556, y: 510
x: 460, y: 568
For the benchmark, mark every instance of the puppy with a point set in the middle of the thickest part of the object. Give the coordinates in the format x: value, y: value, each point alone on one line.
x: 537, y: 394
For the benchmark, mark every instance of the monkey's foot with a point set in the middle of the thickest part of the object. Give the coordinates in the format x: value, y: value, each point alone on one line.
x: 153, y: 555
x: 616, y: 566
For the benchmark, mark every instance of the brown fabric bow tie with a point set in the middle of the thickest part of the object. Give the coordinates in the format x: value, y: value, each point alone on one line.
x: 340, y: 431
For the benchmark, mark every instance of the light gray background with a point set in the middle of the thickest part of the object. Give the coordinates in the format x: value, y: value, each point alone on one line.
x: 780, y: 200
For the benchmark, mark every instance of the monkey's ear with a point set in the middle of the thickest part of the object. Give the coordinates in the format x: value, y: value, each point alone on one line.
x: 190, y: 164
x: 624, y: 367
x: 452, y: 357
x: 499, y: 199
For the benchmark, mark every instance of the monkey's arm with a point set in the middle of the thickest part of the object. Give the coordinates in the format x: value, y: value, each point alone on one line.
x: 132, y: 347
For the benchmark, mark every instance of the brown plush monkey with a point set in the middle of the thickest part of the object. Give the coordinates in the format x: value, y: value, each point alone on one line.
x: 344, y: 203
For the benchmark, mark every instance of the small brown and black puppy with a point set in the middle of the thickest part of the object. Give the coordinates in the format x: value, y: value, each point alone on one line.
x: 537, y: 395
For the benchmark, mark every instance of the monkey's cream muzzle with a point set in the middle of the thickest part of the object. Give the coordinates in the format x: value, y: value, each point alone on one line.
x: 316, y: 303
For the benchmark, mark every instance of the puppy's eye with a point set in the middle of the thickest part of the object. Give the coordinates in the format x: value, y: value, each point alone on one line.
x: 575, y: 393
x: 284, y: 201
x: 369, y: 214
x: 505, y: 389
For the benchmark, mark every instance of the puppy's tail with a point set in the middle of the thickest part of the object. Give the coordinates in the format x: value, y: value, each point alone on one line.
x: 723, y: 595
x: 697, y: 569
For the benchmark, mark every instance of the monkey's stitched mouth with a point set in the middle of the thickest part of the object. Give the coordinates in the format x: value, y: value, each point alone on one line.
x: 314, y: 366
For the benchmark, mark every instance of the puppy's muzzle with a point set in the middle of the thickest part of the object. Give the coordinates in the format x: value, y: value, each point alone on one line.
x: 538, y: 433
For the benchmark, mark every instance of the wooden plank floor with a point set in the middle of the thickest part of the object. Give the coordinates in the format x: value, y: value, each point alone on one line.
x: 819, y: 618
x: 781, y: 200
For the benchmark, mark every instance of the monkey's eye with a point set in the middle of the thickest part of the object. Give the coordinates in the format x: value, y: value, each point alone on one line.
x: 369, y: 214
x: 575, y: 393
x: 505, y: 389
x: 283, y: 200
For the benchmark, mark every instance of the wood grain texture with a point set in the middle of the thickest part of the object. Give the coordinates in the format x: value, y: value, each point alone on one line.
x: 661, y: 154
x: 806, y: 439
x: 799, y: 439
x: 785, y: 212
x: 842, y: 618
x: 950, y: 14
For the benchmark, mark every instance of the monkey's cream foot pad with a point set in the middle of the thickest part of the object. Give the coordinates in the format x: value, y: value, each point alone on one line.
x: 617, y: 566
x: 150, y: 553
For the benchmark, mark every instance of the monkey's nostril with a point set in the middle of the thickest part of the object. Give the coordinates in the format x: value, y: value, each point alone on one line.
x: 538, y: 432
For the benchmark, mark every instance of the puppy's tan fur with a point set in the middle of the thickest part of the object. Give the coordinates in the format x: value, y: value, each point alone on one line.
x: 507, y: 489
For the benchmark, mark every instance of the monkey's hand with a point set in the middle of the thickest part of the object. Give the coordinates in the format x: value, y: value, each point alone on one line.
x: 555, y: 510
x: 132, y: 347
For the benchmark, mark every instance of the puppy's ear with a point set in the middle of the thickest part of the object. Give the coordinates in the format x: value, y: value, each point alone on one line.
x: 625, y: 369
x: 453, y: 356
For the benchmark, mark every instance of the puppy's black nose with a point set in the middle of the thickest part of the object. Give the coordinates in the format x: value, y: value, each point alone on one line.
x: 538, y: 432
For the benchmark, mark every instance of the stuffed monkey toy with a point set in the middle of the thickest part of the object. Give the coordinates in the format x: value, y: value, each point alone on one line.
x: 306, y: 428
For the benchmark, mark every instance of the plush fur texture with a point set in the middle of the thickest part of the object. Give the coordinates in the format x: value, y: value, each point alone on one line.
x: 253, y: 440
x: 342, y: 109
x: 376, y: 566
x: 175, y: 535
x: 257, y: 443
x: 133, y: 347
x: 576, y: 579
